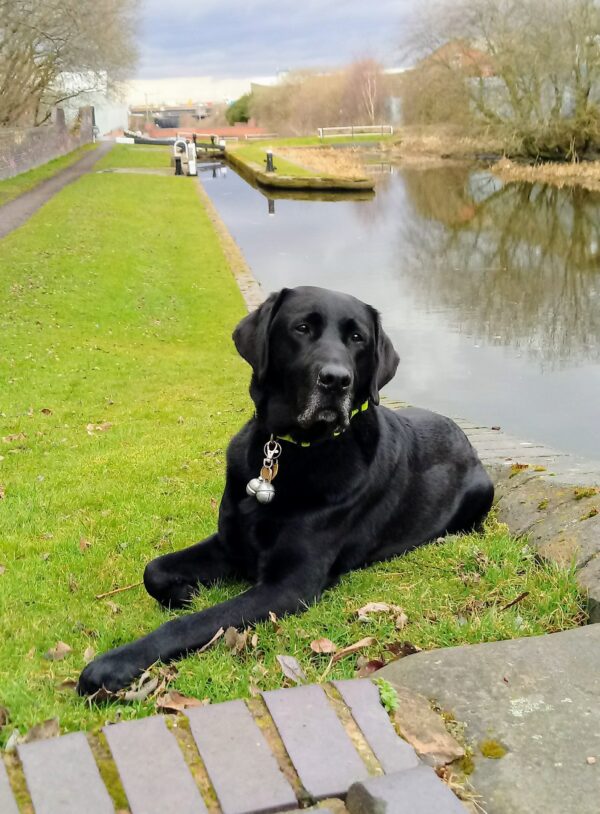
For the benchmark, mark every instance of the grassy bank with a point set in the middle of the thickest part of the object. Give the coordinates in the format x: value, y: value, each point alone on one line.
x: 122, y: 390
x: 11, y: 188
x: 584, y: 174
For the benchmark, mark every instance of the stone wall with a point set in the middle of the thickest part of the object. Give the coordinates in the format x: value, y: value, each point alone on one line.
x: 24, y: 149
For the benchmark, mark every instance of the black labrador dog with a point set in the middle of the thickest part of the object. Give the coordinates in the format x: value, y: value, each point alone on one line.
x: 321, y: 481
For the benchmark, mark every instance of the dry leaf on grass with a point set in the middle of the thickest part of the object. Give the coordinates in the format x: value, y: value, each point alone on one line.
x: 2, y: 569
x: 46, y: 411
x: 68, y: 684
x: 401, y: 649
x: 213, y: 504
x: 88, y: 654
x: 2, y: 492
x: 354, y: 648
x: 84, y: 544
x: 102, y: 427
x: 58, y: 652
x: 401, y: 619
x: 4, y: 716
x: 17, y: 436
x: 254, y: 640
x: 113, y: 607
x: 291, y: 669
x: 235, y: 640
x: 174, y: 701
x: 367, y: 666
x: 217, y: 635
x: 323, y: 646
x: 145, y: 687
x: 43, y: 731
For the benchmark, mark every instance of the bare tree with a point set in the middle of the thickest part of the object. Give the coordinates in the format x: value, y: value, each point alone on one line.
x: 530, y: 69
x: 54, y: 50
x: 364, y: 91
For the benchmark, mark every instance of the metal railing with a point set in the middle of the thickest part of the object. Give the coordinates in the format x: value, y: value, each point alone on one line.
x: 356, y: 130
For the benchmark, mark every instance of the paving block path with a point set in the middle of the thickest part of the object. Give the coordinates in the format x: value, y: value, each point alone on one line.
x: 317, y: 749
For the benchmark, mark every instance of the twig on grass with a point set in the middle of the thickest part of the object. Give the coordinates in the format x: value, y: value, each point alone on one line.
x: 515, y: 601
x: 119, y: 590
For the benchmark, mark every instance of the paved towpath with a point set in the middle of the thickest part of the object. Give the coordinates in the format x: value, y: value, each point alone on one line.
x: 292, y: 748
x: 15, y: 213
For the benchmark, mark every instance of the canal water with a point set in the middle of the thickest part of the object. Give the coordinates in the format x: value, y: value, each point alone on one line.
x: 490, y: 292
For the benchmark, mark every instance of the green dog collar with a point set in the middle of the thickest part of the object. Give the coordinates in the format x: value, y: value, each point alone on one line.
x: 363, y: 407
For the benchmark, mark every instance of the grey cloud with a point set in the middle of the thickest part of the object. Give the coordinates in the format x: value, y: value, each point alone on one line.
x: 260, y: 37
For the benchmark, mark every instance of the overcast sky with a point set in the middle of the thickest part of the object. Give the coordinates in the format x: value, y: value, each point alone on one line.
x: 244, y: 38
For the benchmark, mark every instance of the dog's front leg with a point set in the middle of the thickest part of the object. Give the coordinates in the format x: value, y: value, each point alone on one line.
x: 289, y: 593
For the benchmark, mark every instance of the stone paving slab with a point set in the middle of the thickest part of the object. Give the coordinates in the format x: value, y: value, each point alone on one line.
x: 321, y: 751
x: 241, y: 767
x: 7, y: 800
x: 538, y: 699
x: 153, y: 771
x: 62, y: 777
x: 416, y: 791
x: 362, y: 697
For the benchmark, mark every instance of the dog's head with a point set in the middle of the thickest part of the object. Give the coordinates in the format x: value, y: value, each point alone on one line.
x: 315, y: 355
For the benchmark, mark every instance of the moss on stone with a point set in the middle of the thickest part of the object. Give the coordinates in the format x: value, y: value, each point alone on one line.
x: 492, y: 749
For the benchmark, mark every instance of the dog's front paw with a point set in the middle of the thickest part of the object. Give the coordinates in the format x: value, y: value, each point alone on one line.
x: 110, y: 672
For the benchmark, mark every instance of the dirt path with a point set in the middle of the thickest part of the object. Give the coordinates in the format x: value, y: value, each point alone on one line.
x: 15, y: 213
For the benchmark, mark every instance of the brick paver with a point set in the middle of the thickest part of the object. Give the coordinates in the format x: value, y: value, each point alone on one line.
x: 62, y: 777
x: 392, y: 752
x: 233, y: 747
x: 415, y: 791
x: 7, y: 801
x: 321, y: 751
x: 153, y: 772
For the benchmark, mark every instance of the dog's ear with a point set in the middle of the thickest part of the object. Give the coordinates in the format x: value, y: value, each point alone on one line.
x: 251, y: 336
x: 385, y: 360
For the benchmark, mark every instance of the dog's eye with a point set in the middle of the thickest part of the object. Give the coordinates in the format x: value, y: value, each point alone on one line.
x: 302, y: 328
x: 356, y: 337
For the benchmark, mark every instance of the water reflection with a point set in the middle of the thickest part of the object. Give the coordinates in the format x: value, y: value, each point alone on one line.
x: 517, y: 264
x: 489, y: 292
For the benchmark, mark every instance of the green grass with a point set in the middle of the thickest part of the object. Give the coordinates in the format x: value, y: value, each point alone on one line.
x: 118, y: 307
x: 11, y: 188
x: 256, y: 153
x: 315, y: 141
x: 136, y: 155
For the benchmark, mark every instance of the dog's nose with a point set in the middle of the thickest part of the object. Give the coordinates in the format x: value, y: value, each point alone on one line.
x: 334, y: 377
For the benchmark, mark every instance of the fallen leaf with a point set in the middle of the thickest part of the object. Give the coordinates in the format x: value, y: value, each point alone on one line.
x: 142, y: 690
x: 58, y: 652
x: 235, y: 640
x: 401, y: 649
x: 31, y: 653
x: 377, y: 607
x: 401, y: 621
x: 254, y: 640
x: 113, y: 607
x: 84, y: 544
x: 68, y: 684
x: 291, y: 669
x: 102, y: 427
x: 323, y: 646
x: 4, y: 716
x: 13, y: 741
x: 73, y: 584
x: 368, y: 667
x: 18, y: 436
x: 88, y: 654
x: 273, y: 617
x: 46, y: 411
x: 213, y: 504
x: 174, y: 701
x: 217, y: 635
x: 2, y: 569
x: 353, y: 648
x: 43, y: 731
x: 2, y: 492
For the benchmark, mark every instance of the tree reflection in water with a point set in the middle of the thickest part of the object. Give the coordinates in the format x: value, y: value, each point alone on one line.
x: 515, y: 264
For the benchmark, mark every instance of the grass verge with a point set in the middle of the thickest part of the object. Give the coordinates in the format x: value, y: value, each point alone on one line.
x: 122, y: 389
x: 11, y: 188
x: 135, y: 155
